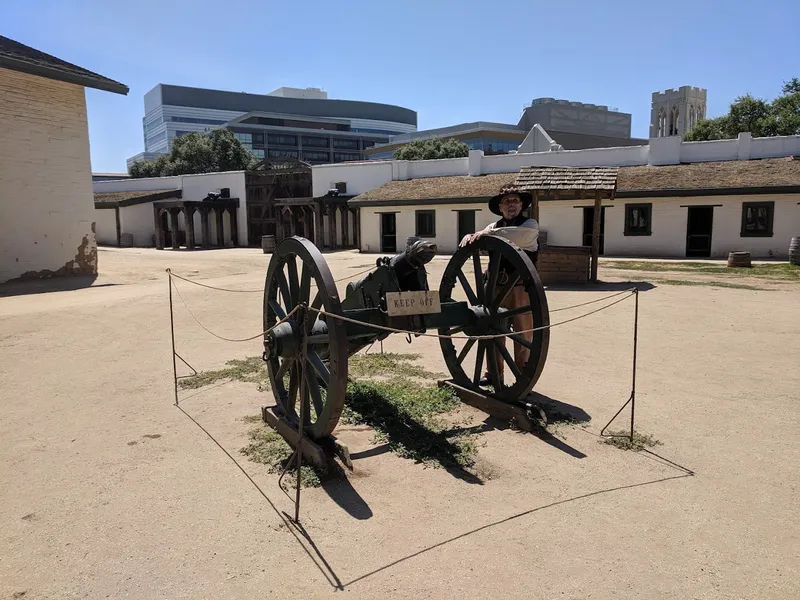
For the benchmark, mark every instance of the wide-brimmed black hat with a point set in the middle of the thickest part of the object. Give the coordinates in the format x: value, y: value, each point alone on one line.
x: 525, y: 197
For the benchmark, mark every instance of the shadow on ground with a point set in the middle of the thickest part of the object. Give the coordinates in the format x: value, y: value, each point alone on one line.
x: 44, y: 286
x: 601, y: 286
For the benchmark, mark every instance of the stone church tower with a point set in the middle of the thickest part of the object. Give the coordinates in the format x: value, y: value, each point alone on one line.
x: 674, y: 112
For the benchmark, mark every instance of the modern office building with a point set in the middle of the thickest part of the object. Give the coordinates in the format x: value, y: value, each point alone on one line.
x: 288, y: 122
x: 573, y: 125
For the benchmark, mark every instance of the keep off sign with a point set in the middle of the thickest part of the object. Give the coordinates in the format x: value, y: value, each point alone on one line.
x: 400, y: 304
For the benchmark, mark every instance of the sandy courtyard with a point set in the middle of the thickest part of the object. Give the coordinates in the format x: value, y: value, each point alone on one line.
x: 109, y: 491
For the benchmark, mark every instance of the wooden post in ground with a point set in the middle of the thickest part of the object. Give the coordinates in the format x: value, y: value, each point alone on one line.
x: 598, y: 199
x: 234, y: 214
x: 535, y: 206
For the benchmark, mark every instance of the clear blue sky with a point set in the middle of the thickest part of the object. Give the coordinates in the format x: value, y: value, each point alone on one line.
x: 451, y: 61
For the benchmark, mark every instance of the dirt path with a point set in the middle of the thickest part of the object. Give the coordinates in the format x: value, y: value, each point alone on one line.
x: 108, y: 490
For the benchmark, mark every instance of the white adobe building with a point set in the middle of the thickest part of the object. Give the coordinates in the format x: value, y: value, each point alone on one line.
x: 48, y: 226
x: 674, y: 198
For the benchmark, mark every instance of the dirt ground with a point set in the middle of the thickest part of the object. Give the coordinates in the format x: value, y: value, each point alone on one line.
x: 109, y: 491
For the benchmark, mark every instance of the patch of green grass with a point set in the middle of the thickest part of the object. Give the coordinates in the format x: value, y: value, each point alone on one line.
x: 777, y: 271
x: 623, y: 441
x: 722, y: 284
x: 267, y: 447
x: 408, y: 417
x: 390, y: 363
x: 250, y: 370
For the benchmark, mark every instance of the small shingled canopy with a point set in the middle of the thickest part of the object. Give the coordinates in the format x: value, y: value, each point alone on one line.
x: 563, y: 183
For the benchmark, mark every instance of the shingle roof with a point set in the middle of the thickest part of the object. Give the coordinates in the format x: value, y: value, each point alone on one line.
x: 567, y: 179
x: 19, y: 57
x: 741, y: 175
x: 110, y: 199
x: 727, y: 174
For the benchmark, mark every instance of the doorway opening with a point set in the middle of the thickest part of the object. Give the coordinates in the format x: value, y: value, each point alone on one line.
x: 388, y: 232
x: 699, y: 225
x: 588, y: 226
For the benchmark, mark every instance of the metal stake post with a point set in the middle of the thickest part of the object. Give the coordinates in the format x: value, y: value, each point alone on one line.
x: 303, y: 406
x: 635, y: 344
x: 172, y: 334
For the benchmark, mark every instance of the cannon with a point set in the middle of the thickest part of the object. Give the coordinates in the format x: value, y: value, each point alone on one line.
x: 312, y: 346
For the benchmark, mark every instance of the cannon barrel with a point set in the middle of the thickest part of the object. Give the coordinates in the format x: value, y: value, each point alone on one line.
x: 404, y: 272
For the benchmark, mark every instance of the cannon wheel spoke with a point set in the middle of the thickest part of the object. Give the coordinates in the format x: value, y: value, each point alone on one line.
x: 500, y: 344
x: 316, y: 362
x: 479, y: 363
x: 473, y: 299
x: 505, y: 291
x: 476, y: 265
x: 465, y: 350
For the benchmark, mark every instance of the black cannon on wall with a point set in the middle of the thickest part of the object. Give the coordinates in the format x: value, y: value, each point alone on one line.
x: 313, y: 345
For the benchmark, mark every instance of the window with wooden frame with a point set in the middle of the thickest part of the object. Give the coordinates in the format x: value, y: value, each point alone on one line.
x: 757, y: 219
x: 638, y: 219
x: 426, y: 223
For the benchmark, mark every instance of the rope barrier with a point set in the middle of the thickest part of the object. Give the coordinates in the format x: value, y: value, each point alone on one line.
x: 468, y: 337
x: 221, y: 289
x: 283, y: 320
x: 629, y: 290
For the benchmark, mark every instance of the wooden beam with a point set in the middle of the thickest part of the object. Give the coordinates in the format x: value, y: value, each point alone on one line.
x: 535, y: 206
x: 598, y: 200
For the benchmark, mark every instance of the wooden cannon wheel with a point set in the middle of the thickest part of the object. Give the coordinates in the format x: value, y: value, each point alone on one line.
x: 298, y: 274
x: 485, y: 299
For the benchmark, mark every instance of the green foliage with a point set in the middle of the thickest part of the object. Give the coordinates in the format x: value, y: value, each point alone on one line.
x: 759, y: 117
x: 409, y: 418
x: 431, y: 149
x: 198, y: 153
x: 250, y: 370
x: 267, y: 447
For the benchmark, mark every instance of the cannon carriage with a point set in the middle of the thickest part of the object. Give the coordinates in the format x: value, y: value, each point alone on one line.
x: 307, y: 354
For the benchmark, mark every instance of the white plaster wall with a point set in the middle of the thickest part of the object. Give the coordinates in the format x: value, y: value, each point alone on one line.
x: 562, y: 221
x: 437, y: 168
x: 446, y: 225
x: 360, y: 177
x: 708, y: 151
x: 669, y: 219
x: 106, y: 226
x: 139, y: 221
x: 775, y: 147
x: 45, y: 175
x: 196, y: 187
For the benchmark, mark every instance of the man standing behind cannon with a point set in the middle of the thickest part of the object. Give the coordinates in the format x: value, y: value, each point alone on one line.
x: 523, y: 231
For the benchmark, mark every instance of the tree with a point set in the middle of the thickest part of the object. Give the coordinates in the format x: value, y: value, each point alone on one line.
x: 759, y: 117
x: 198, y: 153
x: 432, y: 148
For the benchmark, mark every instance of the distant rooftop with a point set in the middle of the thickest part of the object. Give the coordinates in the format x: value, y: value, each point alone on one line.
x: 290, y: 92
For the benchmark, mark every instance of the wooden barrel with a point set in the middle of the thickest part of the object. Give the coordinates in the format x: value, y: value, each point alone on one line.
x: 125, y: 240
x: 267, y: 243
x: 794, y: 250
x: 739, y: 259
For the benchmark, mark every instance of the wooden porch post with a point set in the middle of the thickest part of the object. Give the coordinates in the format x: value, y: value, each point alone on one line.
x: 173, y: 220
x: 357, y: 227
x: 278, y: 224
x: 119, y: 227
x: 331, y: 228
x: 204, y: 226
x: 598, y: 199
x: 218, y: 212
x: 345, y: 226
x: 233, y: 212
x: 535, y: 206
x: 319, y: 235
x: 188, y: 214
x: 159, y: 229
